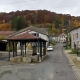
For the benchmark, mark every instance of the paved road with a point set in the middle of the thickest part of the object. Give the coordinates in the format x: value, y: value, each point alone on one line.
x: 54, y: 67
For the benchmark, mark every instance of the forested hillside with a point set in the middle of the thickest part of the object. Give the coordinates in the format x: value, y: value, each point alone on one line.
x: 39, y: 18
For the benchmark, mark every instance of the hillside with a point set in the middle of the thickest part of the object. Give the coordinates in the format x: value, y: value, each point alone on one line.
x: 41, y: 18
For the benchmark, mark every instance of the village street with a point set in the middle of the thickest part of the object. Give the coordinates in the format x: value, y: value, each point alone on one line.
x: 54, y: 67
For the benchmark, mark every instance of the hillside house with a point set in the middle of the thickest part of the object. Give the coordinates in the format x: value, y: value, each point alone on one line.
x: 62, y: 37
x: 75, y: 37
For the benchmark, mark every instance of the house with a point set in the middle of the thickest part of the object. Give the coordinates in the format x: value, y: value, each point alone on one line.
x: 39, y: 32
x: 50, y: 37
x: 62, y: 37
x: 3, y: 42
x: 55, y: 38
x: 75, y: 37
x: 59, y: 37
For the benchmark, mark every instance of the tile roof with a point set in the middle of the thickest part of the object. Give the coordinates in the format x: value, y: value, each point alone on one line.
x: 62, y: 34
x: 32, y: 28
x: 75, y: 28
x: 6, y: 32
x: 40, y: 30
x: 24, y: 36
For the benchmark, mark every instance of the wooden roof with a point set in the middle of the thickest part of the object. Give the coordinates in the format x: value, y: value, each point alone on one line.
x: 24, y: 36
x: 6, y: 32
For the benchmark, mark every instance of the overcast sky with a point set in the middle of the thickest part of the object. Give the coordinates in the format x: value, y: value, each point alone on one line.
x: 71, y: 7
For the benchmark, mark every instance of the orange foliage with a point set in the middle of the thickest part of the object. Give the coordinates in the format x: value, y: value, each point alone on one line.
x: 5, y: 27
x: 76, y: 23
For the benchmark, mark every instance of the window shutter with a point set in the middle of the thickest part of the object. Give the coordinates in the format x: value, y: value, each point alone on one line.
x: 37, y: 34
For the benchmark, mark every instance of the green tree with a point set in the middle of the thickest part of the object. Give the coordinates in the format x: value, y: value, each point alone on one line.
x: 57, y: 24
x: 18, y: 23
x: 50, y: 28
x: 69, y: 36
x: 66, y: 22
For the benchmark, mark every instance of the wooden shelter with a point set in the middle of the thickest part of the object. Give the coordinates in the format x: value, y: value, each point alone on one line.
x: 24, y: 38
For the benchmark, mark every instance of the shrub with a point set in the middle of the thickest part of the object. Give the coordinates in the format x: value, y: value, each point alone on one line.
x: 52, y: 42
x: 74, y: 51
x: 67, y: 47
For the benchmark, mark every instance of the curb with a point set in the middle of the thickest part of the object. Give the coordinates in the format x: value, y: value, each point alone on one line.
x: 75, y: 69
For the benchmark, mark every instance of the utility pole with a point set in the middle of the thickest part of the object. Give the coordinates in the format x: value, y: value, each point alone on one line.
x: 69, y: 34
x: 69, y: 25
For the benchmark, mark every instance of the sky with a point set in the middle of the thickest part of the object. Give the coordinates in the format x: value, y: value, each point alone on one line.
x: 71, y: 7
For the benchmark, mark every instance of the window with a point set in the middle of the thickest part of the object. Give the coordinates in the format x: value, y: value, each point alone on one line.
x: 76, y: 35
x: 36, y: 34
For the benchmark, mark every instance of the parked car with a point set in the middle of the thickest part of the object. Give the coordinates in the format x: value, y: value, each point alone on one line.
x: 50, y: 48
x: 64, y: 44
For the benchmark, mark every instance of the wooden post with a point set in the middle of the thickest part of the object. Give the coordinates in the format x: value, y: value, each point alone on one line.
x: 38, y: 47
x: 9, y: 49
x: 13, y: 48
x: 44, y: 48
x: 41, y: 49
x: 21, y: 48
x: 25, y: 49
x: 38, y: 53
x: 16, y: 48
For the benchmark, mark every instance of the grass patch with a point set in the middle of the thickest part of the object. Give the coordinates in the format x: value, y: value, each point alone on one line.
x: 67, y: 47
x: 52, y: 42
x: 74, y: 51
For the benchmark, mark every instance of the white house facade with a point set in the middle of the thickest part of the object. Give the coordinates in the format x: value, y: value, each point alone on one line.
x: 75, y: 37
x: 60, y: 38
x: 56, y: 38
x: 41, y: 35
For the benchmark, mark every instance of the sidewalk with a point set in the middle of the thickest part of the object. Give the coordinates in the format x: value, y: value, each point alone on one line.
x: 73, y: 63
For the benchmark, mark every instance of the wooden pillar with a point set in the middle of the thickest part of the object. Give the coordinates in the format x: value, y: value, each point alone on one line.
x: 21, y: 47
x: 25, y: 49
x: 41, y: 49
x: 9, y: 49
x: 16, y: 48
x: 38, y: 47
x: 44, y: 48
x: 38, y: 53
x: 13, y: 48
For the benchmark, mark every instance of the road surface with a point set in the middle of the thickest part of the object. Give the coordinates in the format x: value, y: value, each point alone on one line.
x: 54, y: 67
